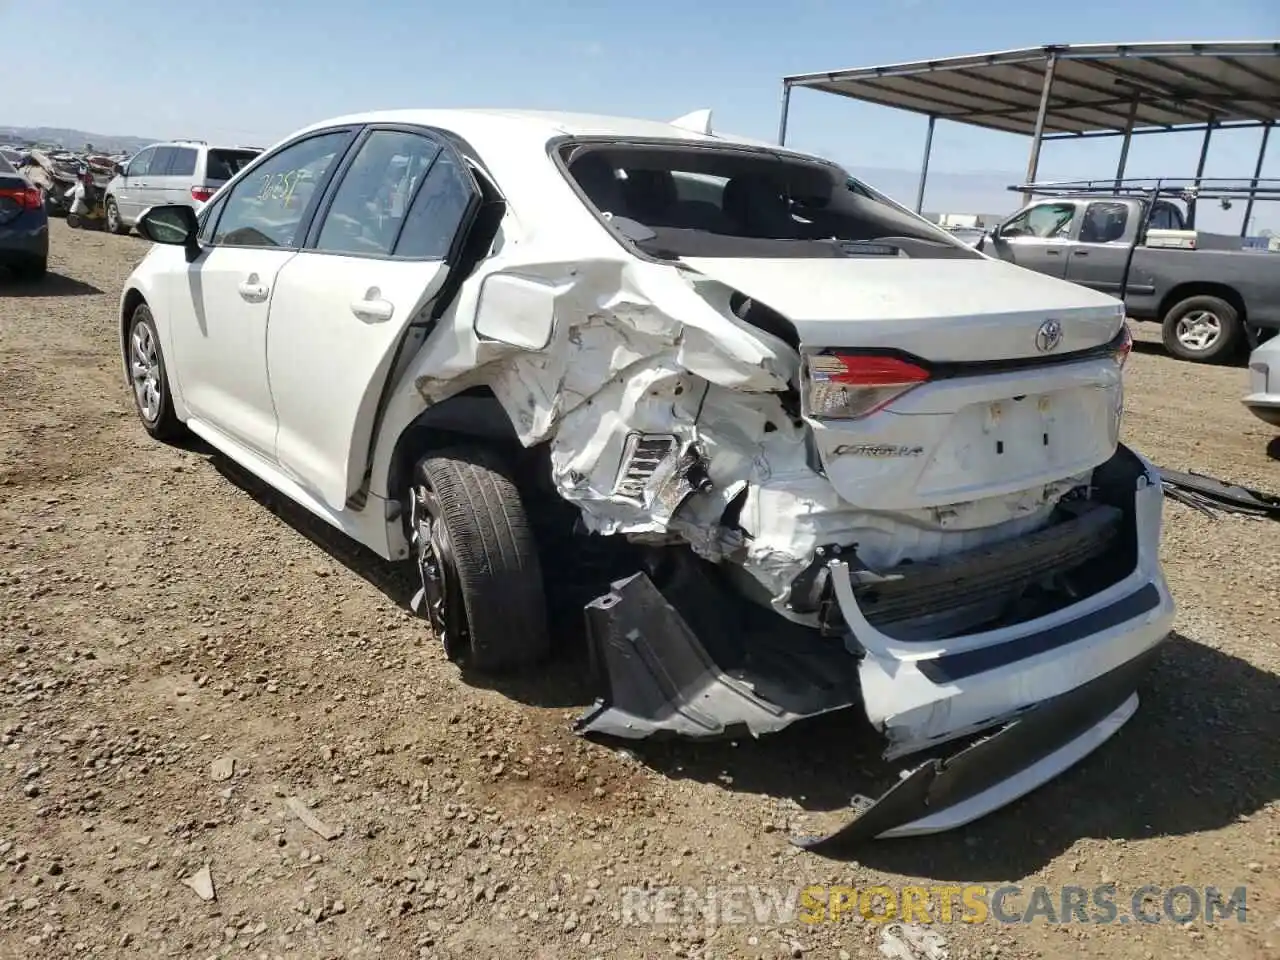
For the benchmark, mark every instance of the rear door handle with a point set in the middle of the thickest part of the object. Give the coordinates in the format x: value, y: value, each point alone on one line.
x: 373, y: 309
x: 253, y: 290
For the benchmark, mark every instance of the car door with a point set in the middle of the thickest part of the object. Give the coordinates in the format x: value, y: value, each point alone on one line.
x: 153, y: 192
x: 1098, y: 257
x: 372, y: 268
x: 179, y: 176
x: 1038, y: 238
x: 130, y: 191
x: 219, y: 314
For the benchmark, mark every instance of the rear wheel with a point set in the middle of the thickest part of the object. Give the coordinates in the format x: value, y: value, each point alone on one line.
x: 1203, y: 329
x: 149, y: 378
x: 114, y: 223
x: 481, y: 580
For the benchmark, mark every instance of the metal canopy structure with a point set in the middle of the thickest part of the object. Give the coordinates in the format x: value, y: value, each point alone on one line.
x: 1072, y: 91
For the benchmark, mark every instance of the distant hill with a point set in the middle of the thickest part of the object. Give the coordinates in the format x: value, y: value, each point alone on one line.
x: 69, y: 139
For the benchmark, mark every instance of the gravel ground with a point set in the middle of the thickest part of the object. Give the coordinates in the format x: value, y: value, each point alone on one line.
x: 185, y: 657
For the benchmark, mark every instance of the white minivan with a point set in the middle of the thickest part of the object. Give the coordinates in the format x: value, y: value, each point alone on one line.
x: 178, y: 171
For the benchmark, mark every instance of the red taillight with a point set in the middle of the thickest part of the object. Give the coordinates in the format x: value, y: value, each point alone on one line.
x: 1126, y: 345
x: 28, y: 198
x: 851, y: 385
x: 202, y: 193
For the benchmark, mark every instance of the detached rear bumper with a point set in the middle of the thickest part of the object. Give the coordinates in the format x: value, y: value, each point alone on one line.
x: 688, y: 661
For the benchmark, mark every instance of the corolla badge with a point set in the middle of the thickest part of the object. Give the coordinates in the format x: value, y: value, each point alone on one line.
x: 1049, y: 336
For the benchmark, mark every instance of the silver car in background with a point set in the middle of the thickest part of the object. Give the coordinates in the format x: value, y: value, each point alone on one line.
x: 178, y: 171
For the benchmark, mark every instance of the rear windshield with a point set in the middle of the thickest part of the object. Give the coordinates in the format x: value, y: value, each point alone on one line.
x: 225, y: 164
x: 676, y: 200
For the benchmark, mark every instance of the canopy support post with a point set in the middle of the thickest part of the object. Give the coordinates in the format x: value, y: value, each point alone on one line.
x: 786, y: 108
x: 1128, y: 136
x: 1033, y: 162
x: 924, y: 166
x: 1253, y: 185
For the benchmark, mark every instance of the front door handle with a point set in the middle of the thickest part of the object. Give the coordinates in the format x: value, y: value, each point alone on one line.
x: 253, y: 290
x: 1082, y: 253
x: 1052, y: 252
x: 373, y: 309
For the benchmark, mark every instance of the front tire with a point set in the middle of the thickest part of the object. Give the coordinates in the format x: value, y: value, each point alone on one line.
x: 481, y: 578
x: 1202, y: 329
x: 149, y: 378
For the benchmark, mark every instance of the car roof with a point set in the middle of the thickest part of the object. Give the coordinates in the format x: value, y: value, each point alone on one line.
x: 483, y: 124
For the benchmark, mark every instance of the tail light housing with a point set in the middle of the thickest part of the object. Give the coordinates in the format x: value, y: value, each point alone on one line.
x: 847, y: 385
x: 1126, y: 345
x: 202, y: 194
x: 26, y: 198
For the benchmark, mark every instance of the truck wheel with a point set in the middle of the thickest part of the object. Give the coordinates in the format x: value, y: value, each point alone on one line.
x: 481, y: 579
x: 1203, y: 329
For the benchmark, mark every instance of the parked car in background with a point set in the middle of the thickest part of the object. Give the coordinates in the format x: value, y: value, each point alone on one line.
x: 24, y: 225
x: 862, y: 463
x: 1263, y: 400
x: 1202, y: 288
x: 178, y: 171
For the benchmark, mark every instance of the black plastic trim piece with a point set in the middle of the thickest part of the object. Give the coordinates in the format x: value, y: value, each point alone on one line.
x: 956, y: 666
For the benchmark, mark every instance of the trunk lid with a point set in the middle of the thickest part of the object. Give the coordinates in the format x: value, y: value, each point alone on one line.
x: 1006, y: 407
x: 940, y: 310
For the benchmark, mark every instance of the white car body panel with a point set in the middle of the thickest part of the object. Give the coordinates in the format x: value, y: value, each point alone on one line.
x: 329, y: 348
x: 585, y: 345
x: 218, y: 321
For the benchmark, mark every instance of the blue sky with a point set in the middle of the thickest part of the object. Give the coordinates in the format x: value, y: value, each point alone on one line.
x: 251, y: 72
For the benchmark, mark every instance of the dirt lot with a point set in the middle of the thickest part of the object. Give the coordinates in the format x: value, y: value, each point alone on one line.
x: 160, y: 613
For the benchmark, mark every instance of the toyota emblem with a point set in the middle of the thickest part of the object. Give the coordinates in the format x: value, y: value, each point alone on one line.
x: 1049, y: 336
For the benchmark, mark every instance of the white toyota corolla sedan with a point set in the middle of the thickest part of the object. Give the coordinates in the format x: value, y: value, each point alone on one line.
x: 816, y: 452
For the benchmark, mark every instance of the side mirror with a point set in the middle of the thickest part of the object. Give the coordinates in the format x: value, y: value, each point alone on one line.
x: 173, y: 224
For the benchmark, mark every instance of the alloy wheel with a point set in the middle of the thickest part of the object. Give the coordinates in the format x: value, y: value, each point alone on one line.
x: 144, y: 368
x: 1199, y: 330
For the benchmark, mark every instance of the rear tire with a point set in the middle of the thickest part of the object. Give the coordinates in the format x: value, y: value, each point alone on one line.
x: 474, y: 545
x: 114, y: 225
x: 1202, y: 329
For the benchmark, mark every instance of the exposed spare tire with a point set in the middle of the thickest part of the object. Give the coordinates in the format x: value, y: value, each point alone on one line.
x: 475, y: 550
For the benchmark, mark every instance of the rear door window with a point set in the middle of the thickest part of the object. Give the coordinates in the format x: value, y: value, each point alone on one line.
x: 223, y: 164
x: 5, y: 165
x: 438, y: 211
x: 1104, y: 222
x: 372, y: 201
x: 183, y: 162
x: 160, y: 162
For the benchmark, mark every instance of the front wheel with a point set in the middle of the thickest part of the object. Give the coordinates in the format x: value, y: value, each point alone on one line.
x: 74, y: 221
x: 149, y: 378
x: 481, y: 579
x: 1202, y: 329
